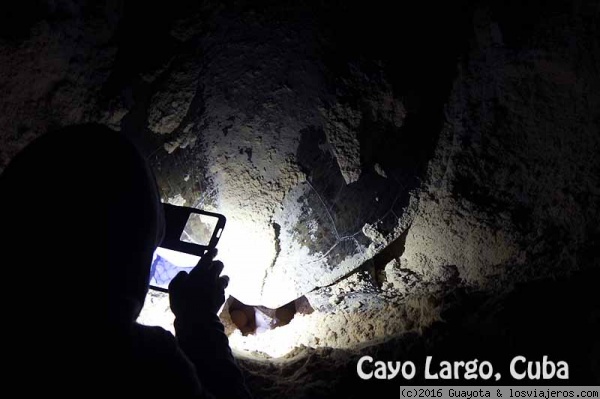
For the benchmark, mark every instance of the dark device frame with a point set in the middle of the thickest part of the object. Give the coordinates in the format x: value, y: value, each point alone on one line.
x: 176, y: 218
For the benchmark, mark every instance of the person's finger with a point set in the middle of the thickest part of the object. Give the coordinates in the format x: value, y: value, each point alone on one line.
x: 216, y: 269
x: 223, y: 282
x: 203, y: 264
x: 177, y: 281
x: 208, y: 257
x: 220, y: 301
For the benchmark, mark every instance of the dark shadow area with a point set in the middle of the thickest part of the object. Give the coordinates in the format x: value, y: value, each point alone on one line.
x: 145, y: 44
x: 17, y: 19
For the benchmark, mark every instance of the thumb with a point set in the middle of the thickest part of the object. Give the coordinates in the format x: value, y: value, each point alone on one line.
x: 223, y: 282
x: 178, y: 282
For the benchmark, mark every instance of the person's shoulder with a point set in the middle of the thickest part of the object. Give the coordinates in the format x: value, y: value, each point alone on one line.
x: 153, y: 333
x: 152, y: 363
x: 155, y: 338
x: 159, y: 348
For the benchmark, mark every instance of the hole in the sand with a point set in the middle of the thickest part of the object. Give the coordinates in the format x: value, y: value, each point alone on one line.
x: 257, y: 319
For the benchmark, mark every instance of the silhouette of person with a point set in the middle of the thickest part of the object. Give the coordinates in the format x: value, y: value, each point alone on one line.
x: 80, y: 218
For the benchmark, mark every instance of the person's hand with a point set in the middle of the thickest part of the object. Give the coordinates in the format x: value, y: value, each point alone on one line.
x: 200, y: 291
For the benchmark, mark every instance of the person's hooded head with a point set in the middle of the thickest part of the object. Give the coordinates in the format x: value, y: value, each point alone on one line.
x: 81, y: 217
